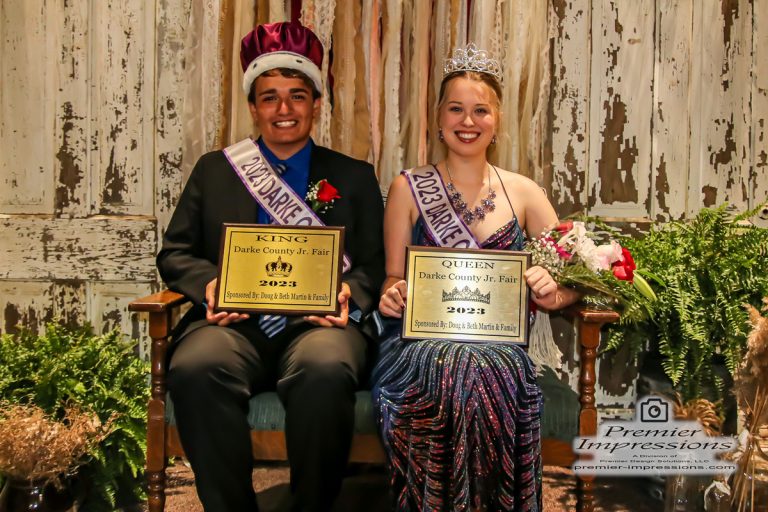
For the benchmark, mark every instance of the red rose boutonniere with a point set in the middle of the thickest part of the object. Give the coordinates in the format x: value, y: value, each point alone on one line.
x: 321, y: 196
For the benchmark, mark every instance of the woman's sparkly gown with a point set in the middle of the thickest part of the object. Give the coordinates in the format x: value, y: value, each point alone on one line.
x: 460, y: 421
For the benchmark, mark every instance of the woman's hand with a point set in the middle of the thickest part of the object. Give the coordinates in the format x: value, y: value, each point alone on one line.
x: 392, y: 301
x: 545, y: 291
x: 221, y: 318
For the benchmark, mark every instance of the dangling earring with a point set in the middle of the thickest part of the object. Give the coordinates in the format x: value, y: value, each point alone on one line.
x: 440, y: 135
x: 493, y: 140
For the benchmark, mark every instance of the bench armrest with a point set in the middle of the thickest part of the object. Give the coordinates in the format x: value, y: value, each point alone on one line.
x: 158, y: 302
x: 162, y: 308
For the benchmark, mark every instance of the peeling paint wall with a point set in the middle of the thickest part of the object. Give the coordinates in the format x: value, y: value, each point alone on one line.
x: 90, y: 145
x: 658, y: 109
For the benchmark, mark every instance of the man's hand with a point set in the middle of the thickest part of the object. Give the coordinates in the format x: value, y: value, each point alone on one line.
x: 335, y: 321
x: 392, y: 302
x: 221, y: 318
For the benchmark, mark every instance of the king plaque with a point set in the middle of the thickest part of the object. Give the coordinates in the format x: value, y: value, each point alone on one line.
x: 466, y: 295
x: 285, y: 270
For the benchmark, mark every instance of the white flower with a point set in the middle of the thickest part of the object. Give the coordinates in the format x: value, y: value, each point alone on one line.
x: 577, y: 234
x: 607, y: 254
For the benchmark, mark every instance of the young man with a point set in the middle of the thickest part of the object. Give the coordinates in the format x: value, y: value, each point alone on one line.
x: 221, y: 359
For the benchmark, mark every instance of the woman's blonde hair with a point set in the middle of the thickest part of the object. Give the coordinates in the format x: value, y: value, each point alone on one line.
x: 475, y: 76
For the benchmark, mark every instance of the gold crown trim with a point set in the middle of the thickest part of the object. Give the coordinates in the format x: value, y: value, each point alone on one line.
x: 471, y: 58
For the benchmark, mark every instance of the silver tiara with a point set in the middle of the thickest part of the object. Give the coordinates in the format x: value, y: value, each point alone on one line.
x: 472, y: 59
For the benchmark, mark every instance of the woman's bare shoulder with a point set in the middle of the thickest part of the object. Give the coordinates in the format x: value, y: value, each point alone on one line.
x: 517, y: 181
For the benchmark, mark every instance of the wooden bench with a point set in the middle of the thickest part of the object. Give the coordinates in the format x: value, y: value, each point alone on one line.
x: 269, y: 441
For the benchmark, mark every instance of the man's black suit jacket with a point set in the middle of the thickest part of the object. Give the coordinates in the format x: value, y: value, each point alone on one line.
x: 214, y: 195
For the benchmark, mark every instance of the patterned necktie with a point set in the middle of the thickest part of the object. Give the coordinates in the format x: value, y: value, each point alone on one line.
x: 271, y: 325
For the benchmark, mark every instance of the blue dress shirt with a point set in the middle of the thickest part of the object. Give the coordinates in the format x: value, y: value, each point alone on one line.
x: 294, y: 171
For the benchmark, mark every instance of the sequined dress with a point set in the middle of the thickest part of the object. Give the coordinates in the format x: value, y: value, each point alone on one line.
x: 460, y: 422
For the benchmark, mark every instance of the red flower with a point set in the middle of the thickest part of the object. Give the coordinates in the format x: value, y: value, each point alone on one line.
x: 327, y: 192
x: 564, y: 227
x: 624, y: 269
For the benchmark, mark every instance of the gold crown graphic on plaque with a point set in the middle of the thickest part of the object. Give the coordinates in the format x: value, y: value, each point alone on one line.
x: 466, y: 295
x: 278, y: 268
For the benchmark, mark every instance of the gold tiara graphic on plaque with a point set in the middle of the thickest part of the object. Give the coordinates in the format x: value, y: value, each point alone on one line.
x: 280, y: 269
x: 466, y: 295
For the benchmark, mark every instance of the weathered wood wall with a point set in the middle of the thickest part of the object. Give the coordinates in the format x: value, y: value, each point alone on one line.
x: 658, y: 108
x: 90, y: 144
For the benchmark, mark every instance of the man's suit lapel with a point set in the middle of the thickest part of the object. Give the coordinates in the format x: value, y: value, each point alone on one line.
x: 318, y: 171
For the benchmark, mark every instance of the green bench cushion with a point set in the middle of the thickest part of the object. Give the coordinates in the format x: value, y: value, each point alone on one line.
x: 560, y: 419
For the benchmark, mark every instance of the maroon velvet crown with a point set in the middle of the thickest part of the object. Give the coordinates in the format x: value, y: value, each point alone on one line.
x: 287, y: 36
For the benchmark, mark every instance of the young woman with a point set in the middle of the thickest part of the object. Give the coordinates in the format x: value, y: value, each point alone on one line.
x: 460, y: 421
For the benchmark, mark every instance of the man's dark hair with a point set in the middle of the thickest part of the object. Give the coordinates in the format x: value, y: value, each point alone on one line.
x: 287, y: 73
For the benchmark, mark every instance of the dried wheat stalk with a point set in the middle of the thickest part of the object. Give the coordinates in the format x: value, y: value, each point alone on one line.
x: 34, y: 446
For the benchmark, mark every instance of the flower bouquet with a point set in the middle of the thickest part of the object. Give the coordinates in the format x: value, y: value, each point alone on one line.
x: 596, y: 266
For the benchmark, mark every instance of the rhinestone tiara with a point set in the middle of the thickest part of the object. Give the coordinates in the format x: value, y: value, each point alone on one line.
x: 472, y: 59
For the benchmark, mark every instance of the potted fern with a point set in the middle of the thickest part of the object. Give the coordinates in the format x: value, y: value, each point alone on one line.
x: 703, y: 271
x: 63, y: 368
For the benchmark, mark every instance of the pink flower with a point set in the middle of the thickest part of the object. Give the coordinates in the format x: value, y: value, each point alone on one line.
x: 607, y: 254
x: 563, y: 253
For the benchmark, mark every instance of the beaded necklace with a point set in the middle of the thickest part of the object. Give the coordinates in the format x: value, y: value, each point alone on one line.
x: 462, y: 208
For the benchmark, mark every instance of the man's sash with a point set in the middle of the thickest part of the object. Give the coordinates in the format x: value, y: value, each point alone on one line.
x: 269, y: 189
x: 440, y: 219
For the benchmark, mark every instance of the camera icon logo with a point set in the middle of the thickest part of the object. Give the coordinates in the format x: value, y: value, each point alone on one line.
x: 654, y: 410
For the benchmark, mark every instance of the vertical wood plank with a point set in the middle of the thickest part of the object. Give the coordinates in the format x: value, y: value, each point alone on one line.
x: 621, y: 107
x: 71, y: 117
x: 671, y: 132
x: 108, y: 306
x: 759, y: 179
x: 70, y: 301
x: 570, y: 105
x: 720, y: 110
x: 123, y: 44
x: 25, y: 304
x: 172, y: 16
x: 26, y: 98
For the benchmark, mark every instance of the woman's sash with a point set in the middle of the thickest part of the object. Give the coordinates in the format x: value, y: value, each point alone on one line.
x: 442, y: 222
x: 270, y: 191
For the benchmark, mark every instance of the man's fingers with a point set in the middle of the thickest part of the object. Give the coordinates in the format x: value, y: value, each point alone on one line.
x: 318, y: 320
x: 224, y: 318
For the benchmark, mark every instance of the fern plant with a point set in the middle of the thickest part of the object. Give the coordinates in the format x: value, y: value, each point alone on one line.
x: 703, y: 271
x: 98, y: 373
